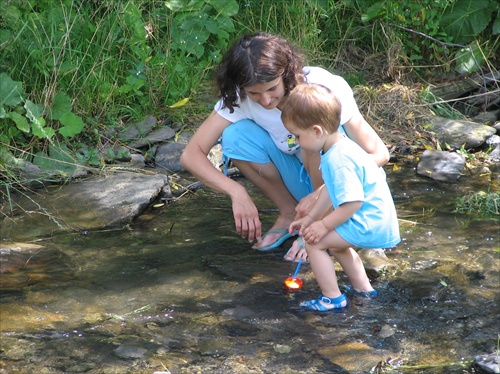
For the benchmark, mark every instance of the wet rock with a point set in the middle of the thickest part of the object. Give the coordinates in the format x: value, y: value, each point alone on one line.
x: 213, y: 347
x: 26, y: 318
x: 239, y: 328
x: 422, y: 285
x: 494, y: 155
x: 138, y: 130
x: 355, y: 357
x: 24, y: 264
x: 459, y: 133
x: 375, y: 261
x: 157, y: 136
x: 168, y: 155
x: 283, y: 349
x: 137, y: 161
x: 441, y: 166
x: 239, y: 313
x: 129, y: 352
x: 488, y: 118
x: 107, y: 201
x: 386, y: 331
x: 488, y: 363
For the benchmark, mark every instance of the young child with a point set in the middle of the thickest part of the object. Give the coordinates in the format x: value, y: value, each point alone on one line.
x: 363, y: 212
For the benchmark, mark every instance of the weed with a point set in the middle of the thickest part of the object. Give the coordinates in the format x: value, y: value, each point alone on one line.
x: 480, y: 203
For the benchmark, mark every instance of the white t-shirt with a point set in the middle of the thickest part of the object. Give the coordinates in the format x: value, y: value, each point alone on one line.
x: 270, y: 119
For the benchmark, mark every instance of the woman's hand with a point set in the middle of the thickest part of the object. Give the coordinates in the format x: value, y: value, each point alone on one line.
x: 194, y: 159
x: 306, y: 203
x: 300, y: 225
x: 246, y: 216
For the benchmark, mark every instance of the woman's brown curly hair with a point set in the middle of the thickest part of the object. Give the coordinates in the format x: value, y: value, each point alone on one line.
x: 255, y: 59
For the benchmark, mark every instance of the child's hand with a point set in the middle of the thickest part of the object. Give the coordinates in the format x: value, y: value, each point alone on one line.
x: 314, y: 232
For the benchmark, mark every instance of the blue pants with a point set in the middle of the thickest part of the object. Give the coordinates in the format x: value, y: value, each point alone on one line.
x: 246, y: 141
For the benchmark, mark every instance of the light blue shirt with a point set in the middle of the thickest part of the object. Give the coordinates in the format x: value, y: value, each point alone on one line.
x: 350, y: 174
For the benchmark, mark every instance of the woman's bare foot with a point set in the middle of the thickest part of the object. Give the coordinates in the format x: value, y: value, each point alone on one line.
x: 270, y: 238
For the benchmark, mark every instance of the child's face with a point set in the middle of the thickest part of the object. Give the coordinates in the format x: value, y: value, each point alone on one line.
x: 309, y: 139
x: 268, y: 95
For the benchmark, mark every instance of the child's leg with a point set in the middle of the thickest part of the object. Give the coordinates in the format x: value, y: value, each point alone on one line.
x: 353, y: 267
x: 324, y: 271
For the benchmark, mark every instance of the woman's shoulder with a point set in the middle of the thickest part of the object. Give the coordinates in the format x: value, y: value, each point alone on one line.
x: 317, y: 72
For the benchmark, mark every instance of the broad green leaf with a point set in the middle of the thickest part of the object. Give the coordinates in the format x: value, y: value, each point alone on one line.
x: 33, y: 111
x: 72, y: 125
x: 20, y: 121
x: 45, y: 162
x: 227, y: 7
x: 39, y: 130
x: 468, y: 60
x: 61, y: 105
x: 10, y: 91
x: 466, y: 19
x: 374, y: 11
x: 61, y: 156
x: 496, y: 24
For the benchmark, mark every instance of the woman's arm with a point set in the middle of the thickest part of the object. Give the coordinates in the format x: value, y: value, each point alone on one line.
x: 362, y: 133
x: 194, y: 159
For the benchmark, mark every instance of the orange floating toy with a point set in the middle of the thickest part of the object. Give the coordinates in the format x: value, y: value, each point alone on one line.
x: 294, y: 283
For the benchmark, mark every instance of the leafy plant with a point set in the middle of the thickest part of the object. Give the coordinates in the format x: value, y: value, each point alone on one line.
x: 20, y: 117
x: 438, y: 25
x: 480, y: 203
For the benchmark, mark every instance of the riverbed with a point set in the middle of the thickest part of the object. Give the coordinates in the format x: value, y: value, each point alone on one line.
x: 177, y: 291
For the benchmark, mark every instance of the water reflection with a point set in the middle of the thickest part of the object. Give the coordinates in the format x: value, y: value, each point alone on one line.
x: 178, y: 290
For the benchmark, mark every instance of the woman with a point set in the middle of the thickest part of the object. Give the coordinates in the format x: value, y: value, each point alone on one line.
x: 254, y: 79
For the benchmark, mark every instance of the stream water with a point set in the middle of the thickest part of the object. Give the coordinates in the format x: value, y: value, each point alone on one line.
x: 178, y: 292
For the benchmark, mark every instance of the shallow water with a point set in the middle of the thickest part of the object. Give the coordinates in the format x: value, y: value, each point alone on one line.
x: 178, y: 291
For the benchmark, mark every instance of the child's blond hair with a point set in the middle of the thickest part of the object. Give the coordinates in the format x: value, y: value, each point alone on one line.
x: 312, y: 104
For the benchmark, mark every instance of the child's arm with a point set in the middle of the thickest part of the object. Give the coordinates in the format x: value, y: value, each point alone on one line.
x: 320, y: 228
x: 320, y: 207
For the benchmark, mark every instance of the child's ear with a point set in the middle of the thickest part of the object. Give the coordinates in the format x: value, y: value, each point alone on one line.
x: 318, y: 130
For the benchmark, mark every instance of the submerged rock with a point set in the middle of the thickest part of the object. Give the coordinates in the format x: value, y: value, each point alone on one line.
x: 129, y: 352
x: 488, y: 363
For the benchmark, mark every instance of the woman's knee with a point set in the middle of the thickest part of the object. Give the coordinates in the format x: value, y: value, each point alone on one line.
x: 241, y: 128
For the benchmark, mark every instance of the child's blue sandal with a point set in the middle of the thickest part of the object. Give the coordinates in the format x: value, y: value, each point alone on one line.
x: 368, y: 294
x: 334, y: 304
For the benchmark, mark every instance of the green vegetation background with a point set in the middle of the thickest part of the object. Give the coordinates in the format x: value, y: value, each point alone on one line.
x: 71, y: 70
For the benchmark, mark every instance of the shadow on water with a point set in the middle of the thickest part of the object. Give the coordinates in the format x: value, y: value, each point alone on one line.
x: 179, y: 292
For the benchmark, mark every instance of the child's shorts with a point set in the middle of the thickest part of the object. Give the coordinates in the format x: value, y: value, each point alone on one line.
x: 246, y: 141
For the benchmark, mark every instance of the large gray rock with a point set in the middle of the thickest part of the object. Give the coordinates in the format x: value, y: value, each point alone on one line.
x: 458, y: 133
x: 167, y: 156
x: 156, y: 136
x: 109, y: 201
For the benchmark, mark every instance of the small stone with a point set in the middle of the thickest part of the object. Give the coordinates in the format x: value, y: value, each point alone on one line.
x: 129, y: 352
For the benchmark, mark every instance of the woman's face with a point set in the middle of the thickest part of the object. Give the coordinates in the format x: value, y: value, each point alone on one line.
x: 268, y: 95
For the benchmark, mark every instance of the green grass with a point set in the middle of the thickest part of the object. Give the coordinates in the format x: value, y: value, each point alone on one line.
x: 482, y: 204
